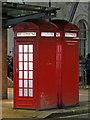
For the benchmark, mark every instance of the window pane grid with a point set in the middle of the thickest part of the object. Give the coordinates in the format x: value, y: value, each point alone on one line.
x: 20, y: 57
x: 25, y: 59
x: 20, y: 48
x: 31, y: 92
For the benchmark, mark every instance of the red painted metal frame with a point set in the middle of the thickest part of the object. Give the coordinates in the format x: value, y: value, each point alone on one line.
x: 68, y: 65
x: 47, y: 73
x: 45, y: 64
x: 29, y: 102
x: 70, y: 73
x: 56, y: 65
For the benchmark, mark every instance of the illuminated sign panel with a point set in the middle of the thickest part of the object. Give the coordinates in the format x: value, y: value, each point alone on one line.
x: 57, y: 34
x: 70, y: 35
x: 26, y: 34
x: 47, y: 34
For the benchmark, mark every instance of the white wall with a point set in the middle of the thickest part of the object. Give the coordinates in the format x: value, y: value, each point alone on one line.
x: 82, y: 14
x: 64, y: 9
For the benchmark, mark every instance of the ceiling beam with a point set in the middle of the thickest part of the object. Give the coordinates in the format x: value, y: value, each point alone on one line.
x: 29, y: 7
x: 49, y: 16
x: 22, y: 6
x: 14, y: 21
x: 17, y: 13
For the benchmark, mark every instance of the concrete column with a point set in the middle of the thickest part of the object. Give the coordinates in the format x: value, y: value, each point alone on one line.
x: 0, y: 55
x: 4, y: 63
x: 89, y: 27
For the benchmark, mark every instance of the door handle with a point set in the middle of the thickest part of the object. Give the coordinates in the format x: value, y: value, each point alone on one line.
x: 16, y: 70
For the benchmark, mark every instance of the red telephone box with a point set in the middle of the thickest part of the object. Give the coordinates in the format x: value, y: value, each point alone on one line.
x: 35, y: 83
x: 68, y: 63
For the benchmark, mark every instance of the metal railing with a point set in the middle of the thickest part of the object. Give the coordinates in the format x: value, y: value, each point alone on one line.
x: 82, y: 76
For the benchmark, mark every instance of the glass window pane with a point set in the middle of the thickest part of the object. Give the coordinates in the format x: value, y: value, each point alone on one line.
x: 30, y: 48
x: 25, y: 57
x: 20, y: 57
x: 25, y: 92
x: 25, y: 83
x: 31, y: 83
x: 20, y: 83
x: 20, y: 48
x: 30, y: 57
x: 25, y: 66
x: 31, y: 92
x: 20, y: 66
x: 20, y: 74
x: 30, y: 74
x: 20, y: 92
x: 25, y: 74
x: 25, y: 48
x: 30, y: 65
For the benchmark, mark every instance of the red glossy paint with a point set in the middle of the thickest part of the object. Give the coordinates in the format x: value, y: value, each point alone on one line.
x: 44, y: 66
x: 68, y: 64
x: 55, y: 65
